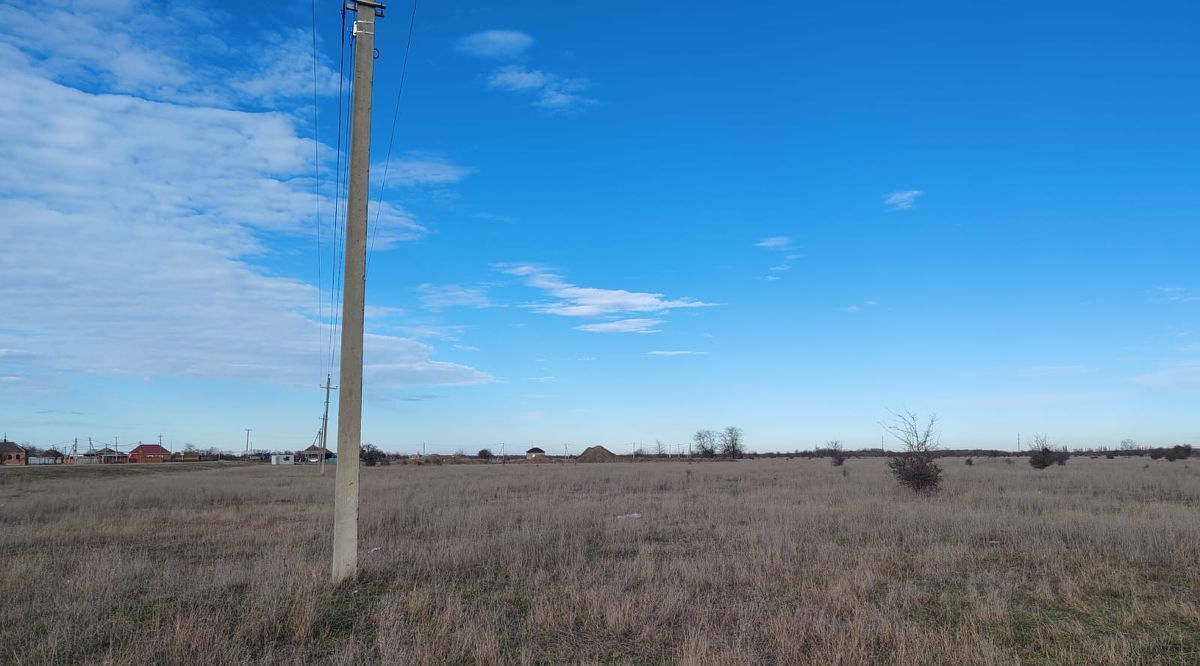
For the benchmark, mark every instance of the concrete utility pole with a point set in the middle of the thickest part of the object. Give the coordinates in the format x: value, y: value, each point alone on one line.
x: 345, y: 505
x: 325, y: 423
x: 247, y: 454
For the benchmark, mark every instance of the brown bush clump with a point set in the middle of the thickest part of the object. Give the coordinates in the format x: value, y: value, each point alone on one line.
x: 1042, y: 458
x: 914, y: 468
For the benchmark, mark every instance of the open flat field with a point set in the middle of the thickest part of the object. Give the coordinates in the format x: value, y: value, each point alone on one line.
x: 783, y: 561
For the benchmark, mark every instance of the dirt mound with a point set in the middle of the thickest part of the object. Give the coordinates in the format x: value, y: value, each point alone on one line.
x: 597, y: 454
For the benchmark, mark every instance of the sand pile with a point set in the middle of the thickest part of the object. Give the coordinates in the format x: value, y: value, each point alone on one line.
x: 597, y: 454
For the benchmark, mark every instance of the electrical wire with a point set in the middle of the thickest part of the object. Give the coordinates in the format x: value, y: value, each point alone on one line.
x: 412, y: 20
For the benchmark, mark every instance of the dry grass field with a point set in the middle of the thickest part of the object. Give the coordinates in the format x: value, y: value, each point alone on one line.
x: 766, y: 562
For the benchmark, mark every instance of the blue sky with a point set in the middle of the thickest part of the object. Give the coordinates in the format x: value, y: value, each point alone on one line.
x: 607, y: 224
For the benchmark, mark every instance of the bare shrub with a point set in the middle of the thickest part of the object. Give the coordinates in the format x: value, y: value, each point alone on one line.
x: 968, y: 462
x: 915, y: 468
x: 372, y: 456
x: 1042, y: 458
x: 836, y: 455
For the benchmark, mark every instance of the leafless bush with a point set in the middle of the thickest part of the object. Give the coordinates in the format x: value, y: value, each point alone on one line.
x: 915, y: 468
x: 1042, y: 458
x: 836, y: 455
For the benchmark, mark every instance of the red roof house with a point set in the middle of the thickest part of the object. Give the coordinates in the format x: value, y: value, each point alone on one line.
x: 149, y: 453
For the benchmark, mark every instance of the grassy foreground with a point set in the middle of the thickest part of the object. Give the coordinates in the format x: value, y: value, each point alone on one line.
x: 784, y: 561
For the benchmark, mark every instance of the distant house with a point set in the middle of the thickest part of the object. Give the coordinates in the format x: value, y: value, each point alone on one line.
x: 534, y: 453
x: 149, y: 453
x: 48, y: 457
x: 313, y: 454
x: 107, y: 456
x: 11, y: 454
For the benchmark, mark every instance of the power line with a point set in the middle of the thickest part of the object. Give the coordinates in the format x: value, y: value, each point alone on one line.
x: 412, y: 20
x: 333, y: 277
x: 317, y: 176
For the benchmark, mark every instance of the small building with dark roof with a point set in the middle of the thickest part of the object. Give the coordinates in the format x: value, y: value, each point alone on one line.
x: 535, y: 452
x: 313, y: 454
x: 11, y: 453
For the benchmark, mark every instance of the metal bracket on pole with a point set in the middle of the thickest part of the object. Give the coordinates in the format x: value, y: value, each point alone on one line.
x: 352, y: 5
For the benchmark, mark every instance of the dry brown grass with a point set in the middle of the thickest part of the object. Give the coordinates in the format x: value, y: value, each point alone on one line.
x: 784, y: 561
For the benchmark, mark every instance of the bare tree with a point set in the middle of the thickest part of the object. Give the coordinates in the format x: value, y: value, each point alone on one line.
x: 659, y: 449
x: 706, y: 443
x: 732, y: 442
x: 1129, y: 445
x: 914, y: 468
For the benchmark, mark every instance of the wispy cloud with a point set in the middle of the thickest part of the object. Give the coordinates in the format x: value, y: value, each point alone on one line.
x: 446, y: 296
x: 775, y: 242
x: 677, y: 353
x: 623, y: 326
x: 1179, y: 294
x: 550, y: 91
x: 148, y: 211
x: 1183, y: 375
x: 1054, y: 371
x: 575, y: 301
x: 902, y: 200
x: 422, y: 168
x: 499, y: 44
x: 178, y: 56
x: 855, y: 309
x: 785, y: 245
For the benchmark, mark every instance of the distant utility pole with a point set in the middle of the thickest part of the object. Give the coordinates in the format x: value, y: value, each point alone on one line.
x: 325, y: 423
x: 345, y: 505
x: 247, y: 443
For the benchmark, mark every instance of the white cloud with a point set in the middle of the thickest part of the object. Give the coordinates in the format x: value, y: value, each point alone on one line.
x: 445, y: 296
x: 575, y: 301
x: 676, y: 353
x: 902, y: 200
x: 1184, y: 375
x: 782, y: 244
x: 623, y: 326
x: 145, y: 218
x: 419, y: 168
x: 499, y: 44
x: 775, y: 242
x: 551, y: 91
x: 138, y: 48
x: 855, y: 309
x: 1054, y: 371
x: 1179, y: 294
